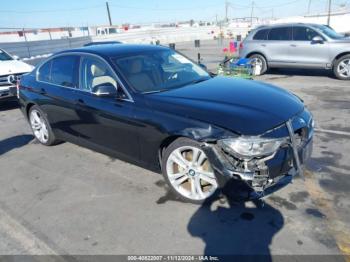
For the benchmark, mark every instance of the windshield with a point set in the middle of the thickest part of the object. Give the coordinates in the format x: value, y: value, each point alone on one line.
x: 328, y: 31
x: 4, y: 56
x: 160, y: 70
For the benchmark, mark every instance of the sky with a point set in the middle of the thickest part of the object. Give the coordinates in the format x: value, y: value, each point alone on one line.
x: 56, y: 13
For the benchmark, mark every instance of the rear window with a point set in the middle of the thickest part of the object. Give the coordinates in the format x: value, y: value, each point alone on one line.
x: 280, y: 34
x: 261, y: 34
x: 64, y: 71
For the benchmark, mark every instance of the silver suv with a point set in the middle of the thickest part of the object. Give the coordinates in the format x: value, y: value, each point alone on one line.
x: 298, y: 46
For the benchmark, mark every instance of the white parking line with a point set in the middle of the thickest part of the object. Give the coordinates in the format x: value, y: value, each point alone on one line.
x: 344, y: 133
x: 27, y: 240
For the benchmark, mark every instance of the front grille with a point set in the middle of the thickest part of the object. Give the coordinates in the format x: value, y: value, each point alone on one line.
x: 4, y: 94
x: 300, y: 130
x: 301, y: 136
x: 4, y: 79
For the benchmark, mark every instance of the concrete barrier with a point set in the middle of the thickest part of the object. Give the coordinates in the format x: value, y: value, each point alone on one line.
x: 164, y: 35
x: 33, y: 49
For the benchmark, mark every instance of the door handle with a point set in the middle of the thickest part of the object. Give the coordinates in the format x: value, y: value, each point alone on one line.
x: 79, y: 102
x: 293, y: 45
x: 263, y: 45
x: 42, y: 91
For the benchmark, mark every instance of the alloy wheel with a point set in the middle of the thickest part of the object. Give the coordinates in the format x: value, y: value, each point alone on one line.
x: 258, y: 61
x: 190, y: 174
x: 39, y: 126
x: 344, y: 68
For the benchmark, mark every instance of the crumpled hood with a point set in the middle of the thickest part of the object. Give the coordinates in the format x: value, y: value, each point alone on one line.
x: 243, y: 106
x: 13, y: 67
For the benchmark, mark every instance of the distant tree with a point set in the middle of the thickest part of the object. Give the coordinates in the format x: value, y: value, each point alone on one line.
x: 191, y: 22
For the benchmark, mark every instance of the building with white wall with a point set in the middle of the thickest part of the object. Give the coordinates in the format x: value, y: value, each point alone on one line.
x: 339, y: 21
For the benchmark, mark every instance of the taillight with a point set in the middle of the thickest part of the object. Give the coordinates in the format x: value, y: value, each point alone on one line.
x: 240, y: 45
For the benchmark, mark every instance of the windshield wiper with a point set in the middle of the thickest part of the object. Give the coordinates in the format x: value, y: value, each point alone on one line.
x: 155, y: 91
x: 179, y: 86
x: 199, y: 80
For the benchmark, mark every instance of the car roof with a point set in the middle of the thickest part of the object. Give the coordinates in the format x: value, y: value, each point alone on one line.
x: 286, y: 24
x: 103, y: 43
x: 113, y: 50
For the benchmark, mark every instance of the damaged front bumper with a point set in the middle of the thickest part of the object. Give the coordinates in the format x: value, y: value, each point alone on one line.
x: 261, y: 173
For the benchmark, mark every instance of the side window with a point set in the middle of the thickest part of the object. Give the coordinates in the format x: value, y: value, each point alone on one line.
x: 95, y: 72
x: 303, y: 33
x: 280, y: 34
x: 261, y: 34
x: 44, y: 73
x: 64, y: 71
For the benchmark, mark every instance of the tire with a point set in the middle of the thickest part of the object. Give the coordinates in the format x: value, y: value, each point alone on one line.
x: 341, y: 68
x: 191, y: 180
x: 40, y: 126
x: 260, y: 59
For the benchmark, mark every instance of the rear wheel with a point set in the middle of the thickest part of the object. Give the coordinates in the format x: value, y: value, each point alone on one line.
x: 188, y: 172
x: 342, y: 68
x: 41, y: 127
x: 260, y: 61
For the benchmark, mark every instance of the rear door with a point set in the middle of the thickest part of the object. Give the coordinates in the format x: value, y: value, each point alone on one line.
x: 256, y: 43
x: 305, y: 52
x: 57, y: 81
x: 278, y: 46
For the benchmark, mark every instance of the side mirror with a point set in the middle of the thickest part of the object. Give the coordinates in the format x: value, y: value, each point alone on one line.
x: 317, y: 40
x: 203, y: 66
x: 105, y: 90
x: 15, y: 57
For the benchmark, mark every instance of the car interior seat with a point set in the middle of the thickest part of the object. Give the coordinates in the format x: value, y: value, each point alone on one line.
x: 100, y: 75
x: 139, y: 78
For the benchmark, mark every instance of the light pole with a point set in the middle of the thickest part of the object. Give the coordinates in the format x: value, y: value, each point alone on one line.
x: 109, y: 14
x: 309, y: 7
x: 251, y: 14
x: 329, y: 12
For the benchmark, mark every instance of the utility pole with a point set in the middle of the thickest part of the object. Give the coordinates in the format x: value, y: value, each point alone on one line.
x: 109, y: 14
x: 226, y: 11
x: 251, y: 14
x: 309, y: 7
x: 329, y: 12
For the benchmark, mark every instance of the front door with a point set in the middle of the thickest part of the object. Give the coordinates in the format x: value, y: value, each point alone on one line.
x: 307, y: 53
x: 105, y: 122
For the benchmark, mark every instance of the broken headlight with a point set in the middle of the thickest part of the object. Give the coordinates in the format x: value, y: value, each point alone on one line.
x: 250, y: 147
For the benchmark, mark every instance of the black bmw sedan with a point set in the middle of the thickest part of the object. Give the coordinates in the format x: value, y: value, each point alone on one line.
x: 154, y: 107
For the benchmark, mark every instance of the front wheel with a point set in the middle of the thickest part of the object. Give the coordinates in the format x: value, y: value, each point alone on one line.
x: 342, y: 68
x: 188, y: 172
x: 41, y: 127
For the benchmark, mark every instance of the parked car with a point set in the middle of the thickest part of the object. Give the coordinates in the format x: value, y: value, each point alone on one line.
x: 103, y: 43
x: 152, y: 106
x: 298, y: 46
x: 11, y: 69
